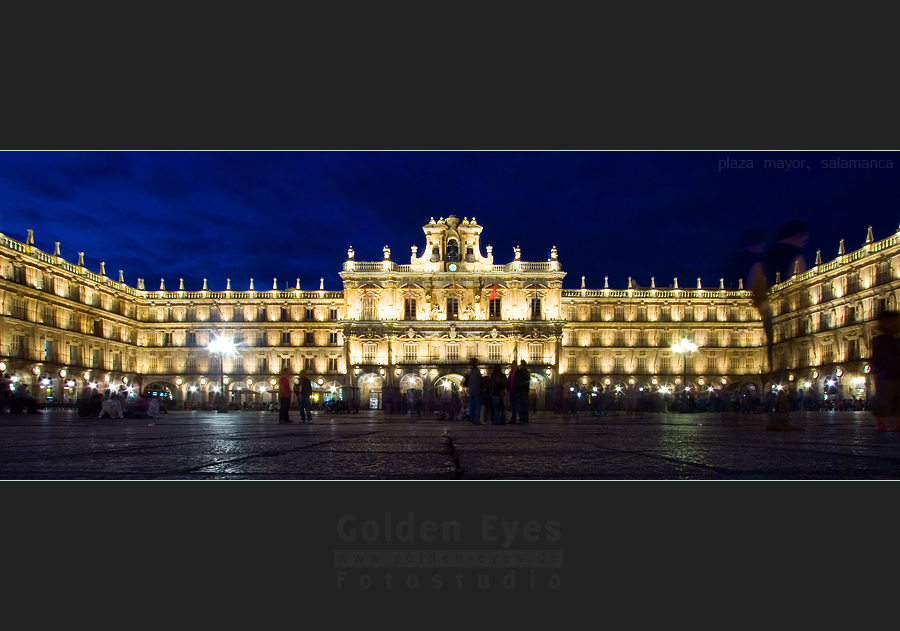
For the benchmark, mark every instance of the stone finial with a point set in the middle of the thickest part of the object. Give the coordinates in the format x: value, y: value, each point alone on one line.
x: 81, y: 259
x: 676, y: 282
x: 721, y: 283
x: 432, y: 221
x: 274, y: 284
x: 227, y: 284
x: 322, y: 284
x: 387, y: 253
x: 350, y: 253
x: 56, y: 249
x: 653, y: 282
x: 162, y: 284
x: 553, y: 253
x: 869, y: 237
x: 30, y: 240
x: 251, y: 284
x: 180, y: 284
x: 777, y: 277
x: 121, y: 277
x: 741, y: 284
x: 102, y: 268
x: 517, y: 253
x: 415, y: 249
x: 489, y: 249
x: 298, y: 284
x: 582, y: 282
x: 841, y: 248
x: 796, y: 266
x: 204, y: 285
x: 699, y: 286
x: 141, y: 284
x: 818, y: 257
x: 606, y: 282
x: 629, y: 282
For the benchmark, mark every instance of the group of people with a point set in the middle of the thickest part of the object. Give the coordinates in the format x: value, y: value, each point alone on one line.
x: 16, y: 398
x: 117, y: 406
x: 302, y: 390
x: 499, y: 391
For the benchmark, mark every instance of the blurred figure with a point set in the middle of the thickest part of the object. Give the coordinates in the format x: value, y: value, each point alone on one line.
x: 499, y: 386
x: 886, y: 368
x: 786, y: 254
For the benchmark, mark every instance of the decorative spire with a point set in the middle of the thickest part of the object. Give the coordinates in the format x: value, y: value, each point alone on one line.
x: 582, y: 282
x: 473, y: 221
x: 818, y: 257
x: 553, y: 253
x: 121, y: 277
x: 322, y: 284
x: 606, y: 282
x: 869, y: 237
x: 298, y: 284
x: 227, y: 284
x: 204, y: 285
x: 141, y: 284
x: 180, y: 284
x: 721, y: 283
x: 741, y: 284
x: 841, y: 248
x: 699, y: 286
x: 251, y: 284
x: 30, y: 240
x: 350, y: 253
x: 81, y: 259
x: 274, y: 284
x: 796, y: 266
x: 162, y: 284
x: 676, y: 282
x: 653, y: 282
x: 102, y: 268
x: 56, y: 249
x: 778, y: 274
x: 629, y: 282
x: 387, y: 253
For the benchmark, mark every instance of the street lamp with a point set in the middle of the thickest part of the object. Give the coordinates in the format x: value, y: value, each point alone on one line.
x: 222, y: 347
x: 684, y: 346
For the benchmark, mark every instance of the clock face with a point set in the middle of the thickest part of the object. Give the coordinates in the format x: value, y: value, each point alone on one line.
x: 452, y: 267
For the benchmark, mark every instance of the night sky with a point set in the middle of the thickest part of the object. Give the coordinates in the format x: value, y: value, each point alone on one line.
x: 238, y: 215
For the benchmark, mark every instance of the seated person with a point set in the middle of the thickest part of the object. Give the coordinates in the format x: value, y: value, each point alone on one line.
x: 111, y: 408
x: 23, y: 400
x: 91, y: 408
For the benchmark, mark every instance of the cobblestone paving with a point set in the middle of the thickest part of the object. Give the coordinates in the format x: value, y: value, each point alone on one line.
x: 375, y: 446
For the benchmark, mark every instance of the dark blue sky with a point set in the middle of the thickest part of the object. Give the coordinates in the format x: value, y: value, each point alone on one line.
x: 239, y: 215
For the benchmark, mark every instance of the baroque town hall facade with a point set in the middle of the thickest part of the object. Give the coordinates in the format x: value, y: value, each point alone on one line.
x: 65, y: 330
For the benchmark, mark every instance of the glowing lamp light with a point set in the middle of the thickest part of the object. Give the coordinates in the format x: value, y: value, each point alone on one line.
x: 779, y: 387
x: 710, y: 389
x: 272, y: 381
x: 618, y: 388
x: 807, y: 384
x: 193, y: 388
x: 859, y: 380
x: 830, y: 382
x: 36, y: 370
x: 124, y: 379
x: 179, y: 381
x: 71, y: 384
x: 93, y: 385
x: 107, y: 378
x: 320, y: 381
x: 86, y: 375
x: 62, y: 373
x: 203, y: 381
x: 839, y: 372
x: 2, y: 366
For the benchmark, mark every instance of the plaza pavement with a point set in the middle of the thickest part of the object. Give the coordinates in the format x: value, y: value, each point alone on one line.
x: 57, y: 445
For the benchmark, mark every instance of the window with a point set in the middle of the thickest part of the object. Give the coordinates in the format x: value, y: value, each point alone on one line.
x: 153, y: 365
x: 596, y: 338
x: 368, y: 309
x: 595, y: 364
x: 734, y: 363
x: 619, y: 314
x: 192, y: 338
x: 332, y: 314
x: 571, y: 364
x: 452, y: 352
x: 167, y: 339
x: 494, y: 354
x: 619, y: 365
x: 452, y: 309
x: 310, y: 338
x: 332, y: 364
x: 262, y: 314
x: 261, y: 339
x: 536, y: 353
x: 309, y: 364
x: 665, y: 314
x: 410, y: 353
x: 333, y: 338
x: 494, y: 309
x: 827, y: 356
x: 167, y: 365
x: 262, y: 364
x: 535, y: 308
x: 750, y: 363
x: 190, y: 365
x: 310, y: 314
x: 369, y: 353
x: 74, y: 351
x: 595, y: 314
x: 17, y: 308
x: 409, y: 309
x: 470, y: 254
x: 238, y: 315
x: 237, y: 364
x: 48, y: 350
x: 285, y: 363
x: 285, y: 338
x: 642, y: 365
x: 452, y: 250
x: 117, y: 361
x: 665, y: 365
x: 285, y: 316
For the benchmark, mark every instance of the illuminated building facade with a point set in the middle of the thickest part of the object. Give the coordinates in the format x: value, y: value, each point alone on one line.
x: 395, y: 327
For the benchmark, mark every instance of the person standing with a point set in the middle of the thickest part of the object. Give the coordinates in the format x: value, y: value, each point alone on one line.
x: 284, y: 396
x: 473, y: 383
x: 886, y: 367
x: 520, y: 389
x: 510, y: 395
x: 305, y: 398
x: 499, y: 387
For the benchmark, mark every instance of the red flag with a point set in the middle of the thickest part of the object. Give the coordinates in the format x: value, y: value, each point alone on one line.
x: 494, y: 293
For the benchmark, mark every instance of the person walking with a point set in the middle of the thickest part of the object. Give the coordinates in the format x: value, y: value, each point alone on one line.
x: 499, y: 386
x: 284, y: 396
x: 886, y: 367
x: 520, y: 390
x: 305, y: 395
x: 473, y: 381
x: 510, y: 395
